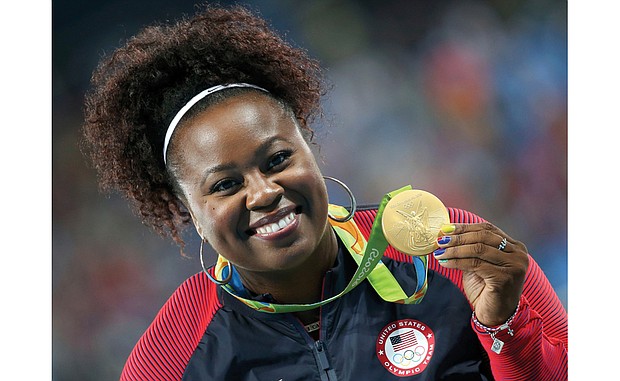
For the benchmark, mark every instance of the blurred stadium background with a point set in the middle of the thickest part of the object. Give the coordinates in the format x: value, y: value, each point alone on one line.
x: 465, y: 99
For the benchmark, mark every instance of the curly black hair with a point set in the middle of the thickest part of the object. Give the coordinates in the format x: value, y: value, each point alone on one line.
x: 138, y: 89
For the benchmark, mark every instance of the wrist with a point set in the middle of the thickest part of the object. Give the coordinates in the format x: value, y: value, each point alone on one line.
x: 494, y: 330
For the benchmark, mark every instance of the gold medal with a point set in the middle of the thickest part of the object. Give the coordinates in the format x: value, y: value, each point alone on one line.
x: 412, y: 220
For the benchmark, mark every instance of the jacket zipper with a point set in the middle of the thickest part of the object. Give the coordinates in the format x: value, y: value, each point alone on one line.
x: 327, y: 373
x: 319, y: 349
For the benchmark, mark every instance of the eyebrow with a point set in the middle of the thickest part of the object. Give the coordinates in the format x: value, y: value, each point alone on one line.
x: 227, y: 166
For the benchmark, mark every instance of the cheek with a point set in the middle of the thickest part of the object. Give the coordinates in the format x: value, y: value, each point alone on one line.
x: 314, y: 185
x: 316, y: 177
x: 321, y: 193
x: 215, y: 221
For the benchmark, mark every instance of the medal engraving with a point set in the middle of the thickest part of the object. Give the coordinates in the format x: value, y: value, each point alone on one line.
x: 412, y: 220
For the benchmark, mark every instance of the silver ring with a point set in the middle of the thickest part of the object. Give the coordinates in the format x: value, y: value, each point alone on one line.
x: 502, y: 244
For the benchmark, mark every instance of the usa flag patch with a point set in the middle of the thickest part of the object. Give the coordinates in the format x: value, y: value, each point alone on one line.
x: 405, y: 347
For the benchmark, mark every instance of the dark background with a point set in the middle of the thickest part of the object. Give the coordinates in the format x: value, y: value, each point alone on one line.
x: 465, y: 99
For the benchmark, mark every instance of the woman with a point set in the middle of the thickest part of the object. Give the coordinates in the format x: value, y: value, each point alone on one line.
x: 207, y: 121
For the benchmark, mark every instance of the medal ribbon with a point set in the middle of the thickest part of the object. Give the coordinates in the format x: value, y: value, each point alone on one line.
x: 367, y: 255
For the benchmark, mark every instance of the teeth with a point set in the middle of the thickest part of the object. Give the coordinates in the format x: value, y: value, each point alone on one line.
x: 276, y: 226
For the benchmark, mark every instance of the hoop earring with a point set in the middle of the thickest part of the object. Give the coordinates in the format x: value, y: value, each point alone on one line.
x: 211, y: 278
x: 353, y: 202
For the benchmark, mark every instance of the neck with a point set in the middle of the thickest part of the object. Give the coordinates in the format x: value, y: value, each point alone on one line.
x: 301, y: 285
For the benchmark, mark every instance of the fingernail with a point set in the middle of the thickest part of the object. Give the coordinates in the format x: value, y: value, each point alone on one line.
x: 439, y: 252
x: 444, y: 240
x: 442, y: 260
x: 448, y: 228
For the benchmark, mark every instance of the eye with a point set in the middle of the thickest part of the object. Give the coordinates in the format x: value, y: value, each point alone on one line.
x: 224, y: 186
x: 278, y: 160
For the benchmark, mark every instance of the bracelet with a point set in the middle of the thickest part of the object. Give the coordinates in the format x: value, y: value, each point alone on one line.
x: 497, y: 343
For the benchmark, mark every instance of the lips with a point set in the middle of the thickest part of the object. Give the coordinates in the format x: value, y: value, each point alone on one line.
x: 275, y: 225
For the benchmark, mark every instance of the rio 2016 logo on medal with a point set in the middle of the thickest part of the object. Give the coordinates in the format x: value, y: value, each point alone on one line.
x: 405, y: 347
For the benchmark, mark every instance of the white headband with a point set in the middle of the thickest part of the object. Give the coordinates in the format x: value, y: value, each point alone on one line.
x: 195, y: 100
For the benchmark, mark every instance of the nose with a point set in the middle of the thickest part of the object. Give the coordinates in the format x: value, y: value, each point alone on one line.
x: 262, y: 192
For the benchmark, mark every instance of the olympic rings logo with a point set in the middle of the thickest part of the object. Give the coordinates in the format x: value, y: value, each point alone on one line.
x: 405, y: 347
x: 409, y: 356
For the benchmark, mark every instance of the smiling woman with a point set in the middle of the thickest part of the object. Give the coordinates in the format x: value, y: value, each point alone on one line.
x: 206, y: 122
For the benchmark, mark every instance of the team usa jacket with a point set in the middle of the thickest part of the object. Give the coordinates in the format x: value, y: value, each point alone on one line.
x: 204, y: 333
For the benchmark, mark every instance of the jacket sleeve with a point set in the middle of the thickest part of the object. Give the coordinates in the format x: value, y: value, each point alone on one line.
x: 164, y: 350
x: 538, y: 348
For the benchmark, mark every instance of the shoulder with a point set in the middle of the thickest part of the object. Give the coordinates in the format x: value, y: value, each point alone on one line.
x: 165, y: 348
